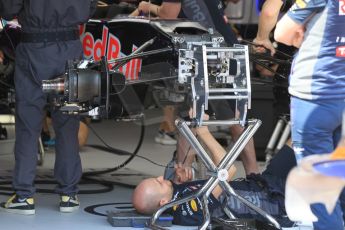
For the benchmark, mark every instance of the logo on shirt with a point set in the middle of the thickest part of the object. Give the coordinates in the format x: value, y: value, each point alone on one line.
x: 193, y: 205
x: 341, y: 7
x: 301, y: 4
x: 340, y: 51
x: 340, y: 40
x: 197, y: 11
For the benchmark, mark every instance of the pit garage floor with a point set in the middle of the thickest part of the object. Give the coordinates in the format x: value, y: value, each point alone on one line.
x: 121, y: 135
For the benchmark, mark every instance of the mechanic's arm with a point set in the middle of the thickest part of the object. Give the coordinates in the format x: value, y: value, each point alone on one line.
x: 289, y: 32
x: 290, y: 29
x: 9, y: 9
x: 182, y: 174
x: 267, y: 20
x: 217, y: 153
x: 167, y: 10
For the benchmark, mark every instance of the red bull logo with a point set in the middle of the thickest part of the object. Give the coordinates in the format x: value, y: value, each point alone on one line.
x: 110, y: 46
x: 341, y: 7
x: 340, y: 52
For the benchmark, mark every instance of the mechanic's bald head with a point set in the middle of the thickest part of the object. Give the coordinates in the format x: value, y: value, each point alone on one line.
x: 152, y: 193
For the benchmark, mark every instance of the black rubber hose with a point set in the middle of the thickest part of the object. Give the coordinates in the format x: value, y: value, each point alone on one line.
x: 108, y: 148
x: 109, y: 185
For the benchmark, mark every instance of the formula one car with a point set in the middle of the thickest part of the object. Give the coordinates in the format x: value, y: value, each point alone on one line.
x: 125, y: 52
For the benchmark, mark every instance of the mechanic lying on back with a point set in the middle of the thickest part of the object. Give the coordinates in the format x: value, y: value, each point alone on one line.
x: 265, y: 190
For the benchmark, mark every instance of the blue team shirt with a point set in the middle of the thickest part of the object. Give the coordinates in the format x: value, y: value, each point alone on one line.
x: 190, y: 213
x: 318, y: 70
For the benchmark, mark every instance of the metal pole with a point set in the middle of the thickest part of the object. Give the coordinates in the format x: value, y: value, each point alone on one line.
x: 284, y: 137
x: 274, y: 137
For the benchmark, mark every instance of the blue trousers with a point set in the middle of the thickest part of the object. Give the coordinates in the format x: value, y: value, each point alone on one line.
x: 36, y: 62
x: 316, y: 129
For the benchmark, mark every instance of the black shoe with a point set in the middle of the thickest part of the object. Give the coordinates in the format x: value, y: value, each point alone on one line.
x: 15, y: 204
x: 69, y: 203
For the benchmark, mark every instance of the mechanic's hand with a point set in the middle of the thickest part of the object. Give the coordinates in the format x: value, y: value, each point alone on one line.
x: 265, y: 43
x: 202, y: 129
x: 182, y: 174
x: 144, y: 7
x: 2, y: 57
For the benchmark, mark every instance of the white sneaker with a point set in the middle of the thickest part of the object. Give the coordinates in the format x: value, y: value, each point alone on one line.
x: 165, y: 138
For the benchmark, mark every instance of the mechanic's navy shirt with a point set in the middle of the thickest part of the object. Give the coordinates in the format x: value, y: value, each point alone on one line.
x: 190, y: 213
x: 216, y: 9
x: 266, y: 192
x: 318, y: 70
x: 208, y: 13
x: 48, y: 15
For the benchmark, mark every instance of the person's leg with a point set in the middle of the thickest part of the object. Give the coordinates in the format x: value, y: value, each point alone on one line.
x: 313, y: 127
x: 168, y: 123
x: 248, y: 155
x: 83, y: 132
x: 224, y: 110
x: 185, y: 153
x: 167, y: 128
x: 67, y: 169
x: 281, y: 163
x: 30, y: 101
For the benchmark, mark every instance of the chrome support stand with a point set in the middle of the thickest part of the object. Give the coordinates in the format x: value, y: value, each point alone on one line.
x: 278, y: 138
x: 213, y: 181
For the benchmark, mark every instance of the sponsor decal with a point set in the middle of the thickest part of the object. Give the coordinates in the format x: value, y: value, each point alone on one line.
x: 189, y: 210
x: 253, y: 198
x: 340, y: 40
x: 340, y: 51
x: 110, y: 46
x: 341, y: 7
x: 193, y: 205
x: 301, y: 3
x: 194, y: 188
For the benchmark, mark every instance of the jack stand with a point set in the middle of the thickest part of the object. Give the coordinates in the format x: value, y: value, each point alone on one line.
x: 279, y: 137
x: 216, y: 172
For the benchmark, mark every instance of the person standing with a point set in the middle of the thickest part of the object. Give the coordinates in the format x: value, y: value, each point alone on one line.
x: 49, y: 39
x: 267, y: 21
x: 317, y: 84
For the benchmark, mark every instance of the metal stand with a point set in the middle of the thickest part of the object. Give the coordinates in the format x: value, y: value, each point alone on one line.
x: 205, y: 67
x: 41, y: 152
x: 214, y: 180
x: 279, y: 137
